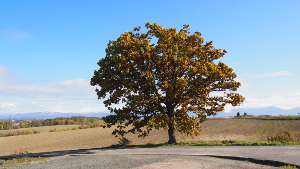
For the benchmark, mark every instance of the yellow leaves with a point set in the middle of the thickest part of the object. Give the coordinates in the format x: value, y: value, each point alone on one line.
x: 235, y: 99
x: 177, y: 70
x: 118, y: 66
x: 187, y: 124
x: 175, y: 48
x: 137, y: 28
x: 159, y: 121
x: 165, y: 85
x: 193, y: 69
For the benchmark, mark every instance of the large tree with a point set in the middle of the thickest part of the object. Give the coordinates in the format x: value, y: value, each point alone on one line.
x: 163, y: 79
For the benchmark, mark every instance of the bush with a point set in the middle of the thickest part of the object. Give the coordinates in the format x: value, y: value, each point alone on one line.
x: 16, y: 126
x: 2, y: 162
x: 58, y: 130
x: 21, y: 132
x: 36, y: 123
x: 94, y: 125
x: 286, y: 136
x: 228, y: 141
x: 24, y: 125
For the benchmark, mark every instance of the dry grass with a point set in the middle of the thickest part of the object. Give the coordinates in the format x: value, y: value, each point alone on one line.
x: 214, y: 130
x: 43, y: 129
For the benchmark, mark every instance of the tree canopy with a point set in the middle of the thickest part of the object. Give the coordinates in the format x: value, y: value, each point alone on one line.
x: 159, y: 78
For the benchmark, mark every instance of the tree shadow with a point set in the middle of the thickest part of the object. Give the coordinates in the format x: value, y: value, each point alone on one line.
x: 82, y: 151
x: 256, y: 161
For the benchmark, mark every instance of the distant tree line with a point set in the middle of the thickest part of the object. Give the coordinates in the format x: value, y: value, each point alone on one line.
x: 267, y: 117
x: 238, y: 115
x: 74, y: 120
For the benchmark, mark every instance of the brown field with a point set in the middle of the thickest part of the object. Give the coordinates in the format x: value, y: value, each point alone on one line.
x: 214, y: 130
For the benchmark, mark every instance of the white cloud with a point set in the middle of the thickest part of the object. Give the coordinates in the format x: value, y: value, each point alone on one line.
x: 11, y: 86
x: 16, y: 35
x: 55, y: 106
x: 7, y: 105
x: 281, y: 100
x: 75, y: 95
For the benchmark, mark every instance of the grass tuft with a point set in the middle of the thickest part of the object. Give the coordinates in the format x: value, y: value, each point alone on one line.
x: 20, y: 161
x: 288, y: 167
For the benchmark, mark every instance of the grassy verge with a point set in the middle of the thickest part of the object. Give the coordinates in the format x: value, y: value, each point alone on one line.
x: 210, y: 143
x: 20, y: 161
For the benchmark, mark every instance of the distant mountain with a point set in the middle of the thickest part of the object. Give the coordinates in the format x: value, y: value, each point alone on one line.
x: 50, y: 115
x: 274, y: 111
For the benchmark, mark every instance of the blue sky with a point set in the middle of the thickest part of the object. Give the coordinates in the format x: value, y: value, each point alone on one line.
x: 49, y: 49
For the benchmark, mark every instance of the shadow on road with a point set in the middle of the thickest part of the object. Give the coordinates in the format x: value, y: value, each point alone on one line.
x: 81, y: 151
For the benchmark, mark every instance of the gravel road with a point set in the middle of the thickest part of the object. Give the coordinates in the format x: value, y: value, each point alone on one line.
x: 172, y: 157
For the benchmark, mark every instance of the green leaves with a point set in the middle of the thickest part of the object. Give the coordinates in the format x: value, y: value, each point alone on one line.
x: 160, y: 83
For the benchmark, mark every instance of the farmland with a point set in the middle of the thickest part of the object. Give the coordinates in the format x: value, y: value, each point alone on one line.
x: 213, y: 130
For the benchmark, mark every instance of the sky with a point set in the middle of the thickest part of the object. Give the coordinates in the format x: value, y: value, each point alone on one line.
x: 49, y: 49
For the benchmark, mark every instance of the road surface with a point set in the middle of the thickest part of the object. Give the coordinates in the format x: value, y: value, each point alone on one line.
x: 172, y: 157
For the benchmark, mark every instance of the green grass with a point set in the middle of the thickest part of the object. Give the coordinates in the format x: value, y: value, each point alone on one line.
x: 288, y: 167
x: 211, y: 143
x: 20, y: 161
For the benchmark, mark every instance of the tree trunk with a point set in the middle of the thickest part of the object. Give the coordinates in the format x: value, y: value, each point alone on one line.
x: 171, y: 130
x: 172, y: 139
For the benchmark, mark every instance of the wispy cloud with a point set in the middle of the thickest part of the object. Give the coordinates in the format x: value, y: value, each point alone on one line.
x: 8, y: 105
x: 16, y: 35
x: 272, y: 74
x: 281, y: 100
x: 11, y: 86
x: 279, y: 73
x: 75, y: 95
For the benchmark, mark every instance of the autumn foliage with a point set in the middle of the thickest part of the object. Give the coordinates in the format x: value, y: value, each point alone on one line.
x: 154, y: 79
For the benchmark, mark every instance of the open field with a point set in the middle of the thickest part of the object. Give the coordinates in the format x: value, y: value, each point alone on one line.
x: 214, y: 129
